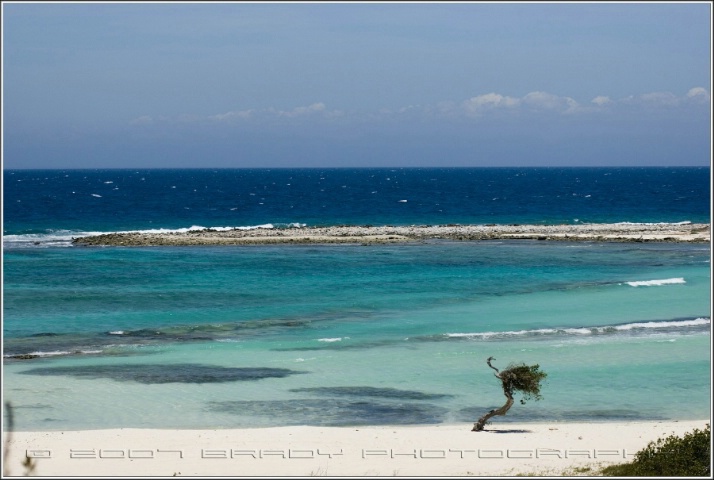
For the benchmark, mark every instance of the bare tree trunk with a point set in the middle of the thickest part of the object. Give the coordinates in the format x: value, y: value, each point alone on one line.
x: 478, y: 426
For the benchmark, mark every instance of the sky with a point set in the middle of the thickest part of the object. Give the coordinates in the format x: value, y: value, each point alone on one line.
x: 463, y: 84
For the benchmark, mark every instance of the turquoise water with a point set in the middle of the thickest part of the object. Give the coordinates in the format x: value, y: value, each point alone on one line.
x: 366, y: 335
x: 219, y: 337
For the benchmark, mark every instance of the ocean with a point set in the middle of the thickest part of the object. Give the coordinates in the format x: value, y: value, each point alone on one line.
x: 346, y: 335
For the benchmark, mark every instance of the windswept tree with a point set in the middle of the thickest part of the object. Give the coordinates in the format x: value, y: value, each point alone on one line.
x: 515, y: 378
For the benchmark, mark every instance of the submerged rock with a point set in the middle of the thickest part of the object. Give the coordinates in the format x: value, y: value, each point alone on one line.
x: 23, y: 356
x: 170, y: 373
x: 334, y: 412
x: 372, y: 392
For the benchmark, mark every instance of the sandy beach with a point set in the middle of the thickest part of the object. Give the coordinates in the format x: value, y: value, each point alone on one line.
x: 503, y: 449
x: 615, y: 232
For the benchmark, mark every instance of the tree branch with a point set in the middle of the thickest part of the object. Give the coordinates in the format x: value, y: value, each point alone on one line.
x: 488, y: 361
x: 478, y: 426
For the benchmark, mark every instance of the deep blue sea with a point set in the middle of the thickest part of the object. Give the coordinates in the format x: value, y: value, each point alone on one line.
x: 244, y: 336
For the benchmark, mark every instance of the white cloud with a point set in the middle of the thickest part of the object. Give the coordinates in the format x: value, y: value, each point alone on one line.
x: 699, y: 94
x: 548, y: 101
x: 601, y: 100
x: 666, y: 99
x: 489, y: 101
x: 411, y: 108
x: 659, y: 99
x: 543, y: 101
x: 316, y: 109
x: 301, y: 111
x: 221, y: 117
x: 476, y: 106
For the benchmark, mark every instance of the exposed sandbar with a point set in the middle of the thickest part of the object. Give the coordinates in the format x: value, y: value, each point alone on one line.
x: 610, y: 232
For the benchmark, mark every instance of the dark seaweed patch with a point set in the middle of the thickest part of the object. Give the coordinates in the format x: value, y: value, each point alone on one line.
x: 110, y: 343
x: 334, y: 412
x: 224, y: 330
x: 372, y: 392
x: 176, y: 373
x: 39, y: 406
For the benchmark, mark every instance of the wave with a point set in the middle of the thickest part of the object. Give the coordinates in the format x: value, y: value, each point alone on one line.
x: 637, y: 327
x: 132, y: 341
x: 55, y: 353
x: 50, y: 238
x: 685, y: 222
x: 64, y: 238
x: 657, y: 283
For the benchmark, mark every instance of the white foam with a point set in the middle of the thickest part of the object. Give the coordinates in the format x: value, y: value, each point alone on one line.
x: 63, y: 238
x: 55, y: 238
x: 685, y: 222
x: 657, y: 283
x: 336, y: 339
x: 199, y: 228
x: 585, y: 330
x: 96, y: 195
x: 678, y: 323
x: 55, y: 353
x: 39, y: 354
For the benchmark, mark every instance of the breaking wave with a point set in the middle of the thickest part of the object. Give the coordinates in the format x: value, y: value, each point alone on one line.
x: 640, y: 327
x: 64, y: 238
x: 657, y: 283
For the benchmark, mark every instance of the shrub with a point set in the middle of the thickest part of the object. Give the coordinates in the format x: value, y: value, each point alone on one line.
x: 687, y: 456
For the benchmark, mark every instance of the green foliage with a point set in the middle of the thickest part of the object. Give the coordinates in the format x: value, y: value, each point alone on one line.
x: 523, y: 378
x: 687, y: 456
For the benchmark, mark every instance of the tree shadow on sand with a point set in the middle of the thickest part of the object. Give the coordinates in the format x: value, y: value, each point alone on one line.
x: 513, y: 430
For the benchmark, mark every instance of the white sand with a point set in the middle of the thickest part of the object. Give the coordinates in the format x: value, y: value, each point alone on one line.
x: 504, y: 449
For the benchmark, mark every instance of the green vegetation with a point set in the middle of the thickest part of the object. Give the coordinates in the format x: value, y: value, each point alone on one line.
x: 523, y: 378
x: 520, y: 377
x: 687, y: 456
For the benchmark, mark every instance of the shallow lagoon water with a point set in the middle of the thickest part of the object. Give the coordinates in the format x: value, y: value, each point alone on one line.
x: 418, y: 319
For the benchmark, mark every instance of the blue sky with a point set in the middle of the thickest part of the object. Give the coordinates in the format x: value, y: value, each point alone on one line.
x: 114, y: 85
